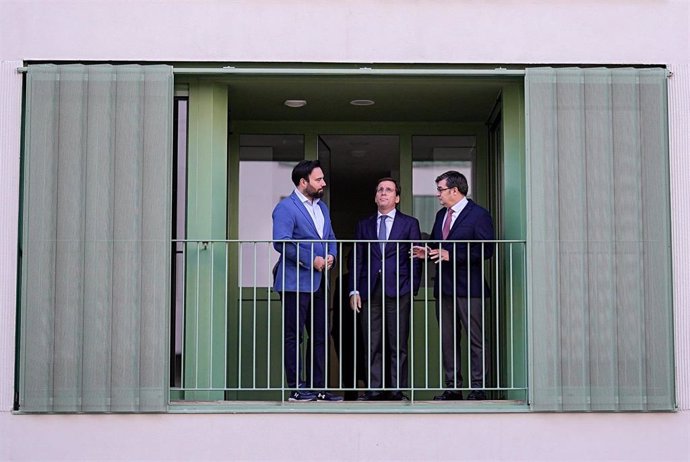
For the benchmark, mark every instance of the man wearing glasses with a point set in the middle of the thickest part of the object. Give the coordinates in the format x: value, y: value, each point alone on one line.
x: 383, y: 281
x: 459, y: 288
x: 301, y: 224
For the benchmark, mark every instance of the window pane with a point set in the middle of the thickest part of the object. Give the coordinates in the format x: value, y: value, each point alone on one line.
x: 431, y: 156
x: 266, y: 163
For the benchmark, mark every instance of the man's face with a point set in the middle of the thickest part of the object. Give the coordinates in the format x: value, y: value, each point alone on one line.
x: 316, y: 184
x: 386, y: 198
x: 448, y: 197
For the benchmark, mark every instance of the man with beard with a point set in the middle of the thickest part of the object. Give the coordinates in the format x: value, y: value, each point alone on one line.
x: 301, y: 224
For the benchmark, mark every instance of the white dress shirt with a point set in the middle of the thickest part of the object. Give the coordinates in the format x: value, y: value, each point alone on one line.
x: 314, y: 211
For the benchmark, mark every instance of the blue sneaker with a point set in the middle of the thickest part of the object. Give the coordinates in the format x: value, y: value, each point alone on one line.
x: 302, y: 396
x: 328, y: 396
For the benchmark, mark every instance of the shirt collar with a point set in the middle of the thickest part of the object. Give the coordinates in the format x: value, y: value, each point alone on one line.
x: 389, y: 214
x: 457, y: 208
x: 304, y: 198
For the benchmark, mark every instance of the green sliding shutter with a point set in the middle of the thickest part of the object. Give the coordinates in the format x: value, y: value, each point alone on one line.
x: 96, y: 238
x: 601, y: 332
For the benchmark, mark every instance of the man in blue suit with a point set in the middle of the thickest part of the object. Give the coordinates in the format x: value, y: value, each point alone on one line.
x: 301, y: 227
x: 458, y: 288
x: 382, y: 284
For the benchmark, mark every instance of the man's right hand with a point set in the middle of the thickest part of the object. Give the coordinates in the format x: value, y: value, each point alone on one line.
x: 319, y: 263
x: 355, y: 302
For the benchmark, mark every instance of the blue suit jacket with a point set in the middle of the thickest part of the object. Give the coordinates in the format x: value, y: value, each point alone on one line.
x: 473, y: 223
x: 292, y: 222
x: 366, y: 268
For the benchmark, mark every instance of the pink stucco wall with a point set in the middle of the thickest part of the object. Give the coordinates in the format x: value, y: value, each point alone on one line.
x: 365, y: 31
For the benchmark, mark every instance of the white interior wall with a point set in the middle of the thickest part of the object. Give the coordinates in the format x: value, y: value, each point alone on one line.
x: 366, y: 31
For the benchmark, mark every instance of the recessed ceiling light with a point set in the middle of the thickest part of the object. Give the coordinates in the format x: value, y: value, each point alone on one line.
x: 362, y: 102
x: 295, y: 102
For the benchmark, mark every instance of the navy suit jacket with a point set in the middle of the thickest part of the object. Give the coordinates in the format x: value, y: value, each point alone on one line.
x: 292, y: 222
x: 367, y: 265
x: 473, y: 223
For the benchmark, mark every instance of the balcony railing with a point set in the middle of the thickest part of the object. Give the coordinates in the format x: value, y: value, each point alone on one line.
x: 229, y: 335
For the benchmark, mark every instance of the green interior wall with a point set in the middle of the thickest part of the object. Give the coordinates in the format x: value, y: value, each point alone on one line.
x: 207, y: 184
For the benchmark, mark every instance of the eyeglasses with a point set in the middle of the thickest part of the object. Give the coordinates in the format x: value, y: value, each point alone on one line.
x: 442, y: 189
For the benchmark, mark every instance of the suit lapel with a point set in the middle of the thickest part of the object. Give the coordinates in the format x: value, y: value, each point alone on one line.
x: 464, y: 214
x: 305, y: 214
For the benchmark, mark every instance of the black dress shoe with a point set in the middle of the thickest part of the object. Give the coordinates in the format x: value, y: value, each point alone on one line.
x: 476, y: 395
x: 374, y: 396
x: 449, y: 395
x: 398, y: 396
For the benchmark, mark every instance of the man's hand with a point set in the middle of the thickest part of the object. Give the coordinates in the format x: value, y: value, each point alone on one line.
x: 439, y: 255
x: 319, y: 264
x: 355, y: 302
x: 329, y: 261
x: 419, y: 251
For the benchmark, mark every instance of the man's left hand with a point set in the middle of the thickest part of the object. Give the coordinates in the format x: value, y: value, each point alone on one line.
x: 439, y: 255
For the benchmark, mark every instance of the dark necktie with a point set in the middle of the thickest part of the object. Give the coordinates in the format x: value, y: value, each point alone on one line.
x: 446, y: 224
x: 382, y: 231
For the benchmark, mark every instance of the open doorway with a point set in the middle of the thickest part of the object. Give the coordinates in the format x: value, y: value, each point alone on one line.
x: 353, y: 164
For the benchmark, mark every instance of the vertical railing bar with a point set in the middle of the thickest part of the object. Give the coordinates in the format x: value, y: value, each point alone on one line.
x: 483, y: 323
x: 283, y: 376
x: 340, y: 314
x: 368, y: 345
x: 311, y: 320
x: 269, y: 267
x: 198, y: 330
x: 498, y: 327
x: 254, y: 355
x: 297, y: 331
x: 469, y: 314
x: 427, y: 345
x: 325, y: 318
x: 356, y: 315
x: 442, y: 380
x: 397, y: 312
x: 240, y: 272
x: 455, y: 315
x: 225, y: 318
x: 184, y: 315
x: 382, y: 247
x: 411, y: 381
x: 524, y: 304
x: 512, y: 332
x: 212, y: 308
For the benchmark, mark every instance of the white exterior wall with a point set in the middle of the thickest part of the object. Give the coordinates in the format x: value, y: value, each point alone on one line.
x: 362, y: 31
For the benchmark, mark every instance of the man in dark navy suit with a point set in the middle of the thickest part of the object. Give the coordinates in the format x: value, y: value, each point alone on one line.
x: 460, y: 290
x: 383, y: 281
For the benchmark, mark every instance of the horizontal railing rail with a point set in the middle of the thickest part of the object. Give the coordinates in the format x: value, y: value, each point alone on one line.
x: 229, y: 341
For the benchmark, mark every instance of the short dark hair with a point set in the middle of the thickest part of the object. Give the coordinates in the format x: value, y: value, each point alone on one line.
x: 387, y: 178
x: 303, y: 170
x: 454, y: 180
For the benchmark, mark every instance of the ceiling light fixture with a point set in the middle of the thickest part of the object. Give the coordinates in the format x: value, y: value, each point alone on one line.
x: 362, y: 102
x: 295, y: 102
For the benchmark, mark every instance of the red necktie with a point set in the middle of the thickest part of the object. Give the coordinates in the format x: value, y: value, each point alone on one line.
x: 446, y: 224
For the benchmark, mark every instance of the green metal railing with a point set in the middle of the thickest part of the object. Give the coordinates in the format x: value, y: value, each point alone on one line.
x: 230, y: 336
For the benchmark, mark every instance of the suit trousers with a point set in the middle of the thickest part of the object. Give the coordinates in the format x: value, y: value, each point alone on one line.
x: 385, y: 327
x: 454, y: 317
x: 305, y: 310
